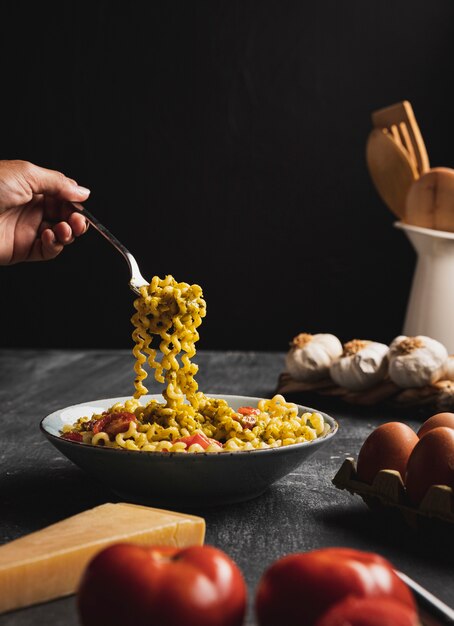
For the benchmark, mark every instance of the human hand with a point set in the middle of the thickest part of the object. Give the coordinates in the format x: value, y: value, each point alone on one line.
x: 35, y: 225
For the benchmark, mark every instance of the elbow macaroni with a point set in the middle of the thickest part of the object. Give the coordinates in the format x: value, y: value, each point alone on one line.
x: 165, y: 323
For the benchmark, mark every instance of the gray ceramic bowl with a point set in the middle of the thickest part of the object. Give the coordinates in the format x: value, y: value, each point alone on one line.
x: 188, y: 480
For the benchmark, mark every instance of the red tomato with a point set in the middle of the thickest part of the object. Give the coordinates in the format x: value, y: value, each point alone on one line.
x: 248, y: 410
x: 199, y: 438
x: 431, y: 463
x: 161, y: 586
x: 96, y: 426
x: 300, y: 588
x: 247, y: 416
x: 114, y: 423
x: 440, y: 419
x: 72, y: 436
x: 368, y: 612
x: 387, y: 447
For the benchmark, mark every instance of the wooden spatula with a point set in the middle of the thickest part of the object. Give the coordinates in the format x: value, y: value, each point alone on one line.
x: 391, y: 170
x: 399, y: 120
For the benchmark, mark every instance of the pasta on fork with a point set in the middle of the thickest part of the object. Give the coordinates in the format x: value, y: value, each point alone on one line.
x: 170, y: 312
x: 167, y: 316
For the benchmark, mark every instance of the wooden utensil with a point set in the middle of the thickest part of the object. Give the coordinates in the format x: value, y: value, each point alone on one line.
x: 391, y: 170
x: 430, y: 200
x: 399, y: 120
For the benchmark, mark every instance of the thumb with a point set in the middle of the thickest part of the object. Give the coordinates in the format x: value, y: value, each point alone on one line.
x: 52, y: 183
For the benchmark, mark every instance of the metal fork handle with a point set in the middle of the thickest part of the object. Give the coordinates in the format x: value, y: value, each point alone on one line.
x: 433, y: 610
x: 137, y: 280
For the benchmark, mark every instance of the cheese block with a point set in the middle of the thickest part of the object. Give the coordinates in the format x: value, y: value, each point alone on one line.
x: 49, y: 563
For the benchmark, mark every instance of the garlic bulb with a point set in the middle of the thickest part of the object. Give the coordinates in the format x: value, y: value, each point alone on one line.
x: 362, y: 365
x: 416, y: 361
x: 310, y: 356
x: 448, y: 369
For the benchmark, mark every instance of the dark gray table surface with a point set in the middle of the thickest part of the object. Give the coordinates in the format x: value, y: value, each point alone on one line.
x: 303, y: 511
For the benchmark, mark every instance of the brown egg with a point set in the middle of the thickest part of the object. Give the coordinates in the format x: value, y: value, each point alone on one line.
x: 431, y: 463
x: 387, y: 447
x: 440, y: 419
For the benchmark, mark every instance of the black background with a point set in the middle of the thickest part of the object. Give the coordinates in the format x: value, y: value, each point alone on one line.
x: 224, y: 143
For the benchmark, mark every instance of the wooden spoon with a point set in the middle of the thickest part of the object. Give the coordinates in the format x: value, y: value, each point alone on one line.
x: 430, y: 200
x: 391, y: 170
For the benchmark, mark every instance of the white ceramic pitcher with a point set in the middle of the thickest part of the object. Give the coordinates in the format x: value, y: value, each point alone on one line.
x: 430, y: 309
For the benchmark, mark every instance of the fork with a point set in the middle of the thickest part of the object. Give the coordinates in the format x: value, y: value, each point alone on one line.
x: 137, y: 280
x: 433, y: 611
x: 398, y: 120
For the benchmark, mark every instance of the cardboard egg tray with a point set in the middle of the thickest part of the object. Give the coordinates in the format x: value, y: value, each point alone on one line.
x: 388, y: 493
x: 423, y: 401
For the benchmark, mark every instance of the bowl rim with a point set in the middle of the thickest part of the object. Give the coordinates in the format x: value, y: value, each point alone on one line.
x: 334, y: 427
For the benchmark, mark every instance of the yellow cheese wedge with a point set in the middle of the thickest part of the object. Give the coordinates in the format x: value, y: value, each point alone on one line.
x: 49, y: 563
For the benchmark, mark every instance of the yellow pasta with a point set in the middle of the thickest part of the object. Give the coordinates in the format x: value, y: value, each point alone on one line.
x: 165, y: 323
x: 169, y: 312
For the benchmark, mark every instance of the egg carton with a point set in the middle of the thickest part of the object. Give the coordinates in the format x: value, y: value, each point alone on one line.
x: 427, y: 400
x: 388, y: 492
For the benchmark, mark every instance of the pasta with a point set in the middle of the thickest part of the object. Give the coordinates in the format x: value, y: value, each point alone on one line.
x: 171, y: 311
x: 165, y: 323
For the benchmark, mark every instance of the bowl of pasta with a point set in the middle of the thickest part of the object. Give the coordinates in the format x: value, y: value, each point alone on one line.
x: 183, y: 447
x: 242, y: 446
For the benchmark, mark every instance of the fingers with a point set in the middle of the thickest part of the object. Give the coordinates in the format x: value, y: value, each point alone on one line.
x: 63, y: 233
x: 66, y: 230
x: 78, y: 224
x: 65, y: 224
x: 52, y: 238
x: 45, y: 248
x: 50, y: 182
x: 50, y: 246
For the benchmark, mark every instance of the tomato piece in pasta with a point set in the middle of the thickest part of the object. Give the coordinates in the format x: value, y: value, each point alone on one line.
x: 72, y: 436
x: 248, y: 410
x: 114, y: 423
x: 247, y: 416
x: 200, y: 439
